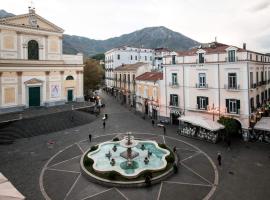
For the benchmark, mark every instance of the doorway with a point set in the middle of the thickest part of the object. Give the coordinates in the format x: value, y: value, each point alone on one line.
x: 70, y: 95
x: 34, y: 96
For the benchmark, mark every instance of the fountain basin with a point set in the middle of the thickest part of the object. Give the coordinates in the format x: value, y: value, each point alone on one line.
x: 157, y: 161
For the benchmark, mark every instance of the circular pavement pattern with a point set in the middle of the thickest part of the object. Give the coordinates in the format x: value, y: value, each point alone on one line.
x: 61, y: 177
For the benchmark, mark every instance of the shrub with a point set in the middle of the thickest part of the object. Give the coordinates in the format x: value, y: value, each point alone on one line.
x: 170, y: 158
x: 163, y: 146
x: 88, y: 162
x: 93, y: 148
x: 112, y: 175
x: 115, y: 139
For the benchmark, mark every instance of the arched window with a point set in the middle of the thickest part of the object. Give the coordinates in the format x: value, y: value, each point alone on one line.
x: 33, y: 50
x: 69, y: 78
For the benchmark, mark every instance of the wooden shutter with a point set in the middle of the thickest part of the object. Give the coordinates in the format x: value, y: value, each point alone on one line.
x: 238, y: 106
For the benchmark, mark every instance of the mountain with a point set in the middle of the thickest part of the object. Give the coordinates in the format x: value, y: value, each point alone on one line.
x: 151, y: 37
x: 3, y: 13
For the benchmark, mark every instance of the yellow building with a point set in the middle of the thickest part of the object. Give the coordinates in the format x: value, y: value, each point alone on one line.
x: 33, y: 69
x: 124, y: 81
x: 148, y: 93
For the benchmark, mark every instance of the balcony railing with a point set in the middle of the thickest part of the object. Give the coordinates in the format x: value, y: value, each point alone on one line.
x: 234, y: 87
x: 231, y: 59
x: 173, y: 85
x: 233, y: 113
x: 174, y: 104
x: 205, y: 86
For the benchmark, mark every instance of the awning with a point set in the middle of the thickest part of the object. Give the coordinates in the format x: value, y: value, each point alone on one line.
x: 8, y: 191
x: 263, y: 124
x: 202, y: 122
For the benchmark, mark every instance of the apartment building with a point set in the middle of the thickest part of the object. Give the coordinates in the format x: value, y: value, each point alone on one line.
x: 125, y: 83
x: 124, y: 55
x: 148, y: 93
x: 215, y: 80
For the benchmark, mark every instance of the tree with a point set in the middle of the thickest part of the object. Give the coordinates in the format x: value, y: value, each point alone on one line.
x: 99, y: 56
x: 93, y: 75
x: 232, y: 126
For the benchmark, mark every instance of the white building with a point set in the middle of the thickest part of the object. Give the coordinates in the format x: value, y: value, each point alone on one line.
x: 215, y: 80
x: 33, y: 69
x: 124, y: 55
x: 159, y: 54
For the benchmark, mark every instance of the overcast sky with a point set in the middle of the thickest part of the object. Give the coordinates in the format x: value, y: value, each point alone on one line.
x: 232, y: 21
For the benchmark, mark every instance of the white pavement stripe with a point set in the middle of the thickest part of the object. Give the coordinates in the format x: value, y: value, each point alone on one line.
x: 64, y: 161
x: 80, y: 147
x: 62, y: 170
x: 159, y: 192
x: 97, y: 194
x: 192, y: 156
x: 195, y: 173
x: 184, y: 183
x: 121, y: 193
x: 71, y: 188
x: 187, y: 149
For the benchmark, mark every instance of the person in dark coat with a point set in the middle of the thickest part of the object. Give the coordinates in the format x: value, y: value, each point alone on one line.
x: 164, y: 130
x: 153, y: 122
x: 219, y: 159
x: 90, y: 137
x: 104, y: 123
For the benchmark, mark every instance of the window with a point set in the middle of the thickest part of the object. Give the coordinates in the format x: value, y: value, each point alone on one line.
x: 174, y: 100
x: 173, y: 60
x: 268, y: 93
x: 258, y: 101
x: 265, y: 95
x: 33, y: 50
x: 250, y: 56
x: 131, y: 57
x: 202, y: 103
x: 256, y: 57
x: 262, y: 76
x: 201, y: 57
x: 231, y: 56
x: 145, y: 58
x: 252, y: 108
x: 174, y: 79
x: 69, y: 78
x: 232, y: 81
x: 233, y: 106
x: 136, y: 57
x: 151, y: 58
x: 257, y: 78
x: 251, y: 79
x: 118, y: 56
x: 202, y: 80
x: 262, y: 97
x: 128, y: 78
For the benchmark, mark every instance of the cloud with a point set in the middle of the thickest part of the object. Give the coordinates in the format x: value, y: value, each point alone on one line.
x: 260, y: 6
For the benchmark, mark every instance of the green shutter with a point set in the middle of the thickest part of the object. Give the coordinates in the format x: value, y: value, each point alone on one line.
x: 238, y: 106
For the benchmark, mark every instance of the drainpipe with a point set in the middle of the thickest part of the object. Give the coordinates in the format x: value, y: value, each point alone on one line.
x: 218, y: 88
x: 165, y: 75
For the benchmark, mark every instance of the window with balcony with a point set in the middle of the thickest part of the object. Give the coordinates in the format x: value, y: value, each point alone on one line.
x: 174, y: 79
x: 252, y: 108
x: 202, y: 103
x: 251, y: 79
x: 232, y: 81
x: 173, y: 59
x: 174, y: 100
x: 233, y: 106
x: 231, y: 55
x: 202, y: 80
x: 201, y: 57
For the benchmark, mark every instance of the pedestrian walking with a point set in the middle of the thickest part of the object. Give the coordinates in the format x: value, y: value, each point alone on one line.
x: 219, y: 159
x: 90, y: 137
x: 174, y: 149
x: 153, y: 123
x: 104, y: 123
x: 164, y: 130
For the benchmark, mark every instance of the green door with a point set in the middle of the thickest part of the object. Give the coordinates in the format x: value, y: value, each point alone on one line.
x: 70, y: 95
x: 34, y: 96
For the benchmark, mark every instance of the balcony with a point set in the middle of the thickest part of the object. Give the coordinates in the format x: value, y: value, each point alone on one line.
x: 231, y: 59
x: 232, y: 88
x: 200, y: 86
x: 174, y: 85
x: 233, y: 113
x: 198, y: 61
x: 173, y: 104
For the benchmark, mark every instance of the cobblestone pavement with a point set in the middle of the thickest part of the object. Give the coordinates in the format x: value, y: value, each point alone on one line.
x: 244, y: 173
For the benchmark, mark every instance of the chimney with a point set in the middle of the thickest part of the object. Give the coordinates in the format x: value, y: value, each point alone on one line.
x: 244, y: 46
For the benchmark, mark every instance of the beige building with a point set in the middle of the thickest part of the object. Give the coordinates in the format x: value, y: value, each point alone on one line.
x: 124, y: 81
x: 33, y: 69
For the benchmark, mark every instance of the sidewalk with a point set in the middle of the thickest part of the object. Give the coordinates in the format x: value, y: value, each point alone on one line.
x: 39, y: 111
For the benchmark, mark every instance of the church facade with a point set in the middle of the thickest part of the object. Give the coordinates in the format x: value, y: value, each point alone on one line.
x: 33, y: 69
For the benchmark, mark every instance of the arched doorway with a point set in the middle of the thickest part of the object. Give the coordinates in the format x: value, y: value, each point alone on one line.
x: 33, y: 50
